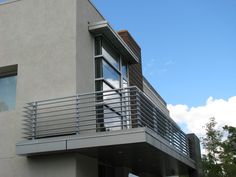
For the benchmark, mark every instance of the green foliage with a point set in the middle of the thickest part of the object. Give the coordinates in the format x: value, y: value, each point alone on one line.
x: 220, y: 157
x: 228, y: 155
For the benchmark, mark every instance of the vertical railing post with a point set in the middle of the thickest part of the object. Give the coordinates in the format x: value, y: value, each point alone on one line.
x: 137, y: 95
x: 154, y: 118
x: 77, y: 114
x: 182, y: 141
x: 128, y: 108
x: 122, y: 110
x: 187, y: 145
x: 34, y: 120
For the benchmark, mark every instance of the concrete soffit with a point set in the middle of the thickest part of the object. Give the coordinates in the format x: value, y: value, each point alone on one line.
x: 103, y: 28
x: 103, y: 139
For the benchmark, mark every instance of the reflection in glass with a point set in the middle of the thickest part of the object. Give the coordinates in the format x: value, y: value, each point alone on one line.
x: 111, y: 75
x: 108, y: 108
x: 110, y: 55
x: 125, y: 83
x: 98, y: 68
x: 112, y: 120
x: 7, y: 93
x: 124, y: 70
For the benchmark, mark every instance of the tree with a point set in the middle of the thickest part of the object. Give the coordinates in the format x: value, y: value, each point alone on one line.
x: 228, y: 154
x: 220, y: 157
x: 211, y: 143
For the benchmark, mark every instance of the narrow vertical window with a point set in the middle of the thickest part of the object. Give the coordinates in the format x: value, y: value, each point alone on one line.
x: 110, y: 73
x: 8, y: 77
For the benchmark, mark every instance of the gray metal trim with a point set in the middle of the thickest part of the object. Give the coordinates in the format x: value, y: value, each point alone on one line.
x: 105, y: 29
x: 98, y: 112
x: 101, y: 139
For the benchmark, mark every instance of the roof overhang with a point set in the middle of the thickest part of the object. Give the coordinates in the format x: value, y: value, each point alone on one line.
x: 155, y: 146
x: 103, y: 28
x: 139, y: 149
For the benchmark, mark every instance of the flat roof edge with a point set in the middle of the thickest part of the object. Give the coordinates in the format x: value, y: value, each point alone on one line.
x: 103, y: 27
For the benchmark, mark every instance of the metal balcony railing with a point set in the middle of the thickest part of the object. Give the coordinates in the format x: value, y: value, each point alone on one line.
x: 110, y: 110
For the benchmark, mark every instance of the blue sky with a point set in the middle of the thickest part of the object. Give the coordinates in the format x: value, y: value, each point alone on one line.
x: 188, y: 46
x: 188, y: 52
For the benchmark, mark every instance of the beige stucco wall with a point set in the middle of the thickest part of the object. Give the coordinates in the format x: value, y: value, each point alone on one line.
x: 86, y: 14
x: 50, y: 42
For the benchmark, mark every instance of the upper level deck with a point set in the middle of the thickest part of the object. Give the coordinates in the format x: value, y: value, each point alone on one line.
x: 129, y: 117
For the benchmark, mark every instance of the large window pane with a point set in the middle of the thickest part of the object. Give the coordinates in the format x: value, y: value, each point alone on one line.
x: 7, y: 93
x: 111, y: 109
x: 112, y: 99
x: 110, y: 75
x: 111, y: 56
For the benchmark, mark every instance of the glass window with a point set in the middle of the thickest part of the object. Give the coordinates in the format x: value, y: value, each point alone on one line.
x: 111, y: 99
x: 112, y: 120
x: 124, y: 70
x: 7, y: 93
x: 98, y: 68
x: 125, y: 83
x: 111, y: 75
x: 110, y: 55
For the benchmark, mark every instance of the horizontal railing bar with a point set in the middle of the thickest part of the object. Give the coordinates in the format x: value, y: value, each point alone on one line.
x: 109, y: 110
x: 80, y: 112
x: 147, y: 98
x: 51, y: 107
x: 56, y: 115
x: 79, y: 108
x: 43, y: 135
x: 83, y: 130
x: 73, y: 104
x: 71, y: 113
x: 84, y: 94
x: 58, y: 128
x: 76, y: 121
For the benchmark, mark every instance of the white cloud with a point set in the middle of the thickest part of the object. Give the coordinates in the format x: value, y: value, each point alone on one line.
x: 170, y: 62
x: 195, y: 118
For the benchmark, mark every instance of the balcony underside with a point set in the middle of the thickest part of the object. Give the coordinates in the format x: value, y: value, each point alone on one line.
x: 139, y: 148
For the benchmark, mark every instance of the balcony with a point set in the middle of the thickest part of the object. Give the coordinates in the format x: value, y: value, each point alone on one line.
x: 101, y: 119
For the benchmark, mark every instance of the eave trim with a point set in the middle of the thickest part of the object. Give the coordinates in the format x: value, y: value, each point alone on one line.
x: 103, y: 28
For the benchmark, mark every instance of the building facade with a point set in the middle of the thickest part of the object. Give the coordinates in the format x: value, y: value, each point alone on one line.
x: 74, y: 102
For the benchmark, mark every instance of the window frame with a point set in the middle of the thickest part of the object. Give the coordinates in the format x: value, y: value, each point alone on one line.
x: 7, y: 72
x: 99, y: 58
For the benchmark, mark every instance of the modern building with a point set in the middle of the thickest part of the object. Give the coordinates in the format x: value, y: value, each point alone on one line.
x: 74, y: 102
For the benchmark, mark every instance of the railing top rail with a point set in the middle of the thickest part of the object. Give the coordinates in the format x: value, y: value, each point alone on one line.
x: 83, y: 94
x: 101, y: 110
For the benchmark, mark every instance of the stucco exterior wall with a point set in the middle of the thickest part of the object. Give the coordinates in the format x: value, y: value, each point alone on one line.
x: 40, y: 37
x: 86, y: 14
